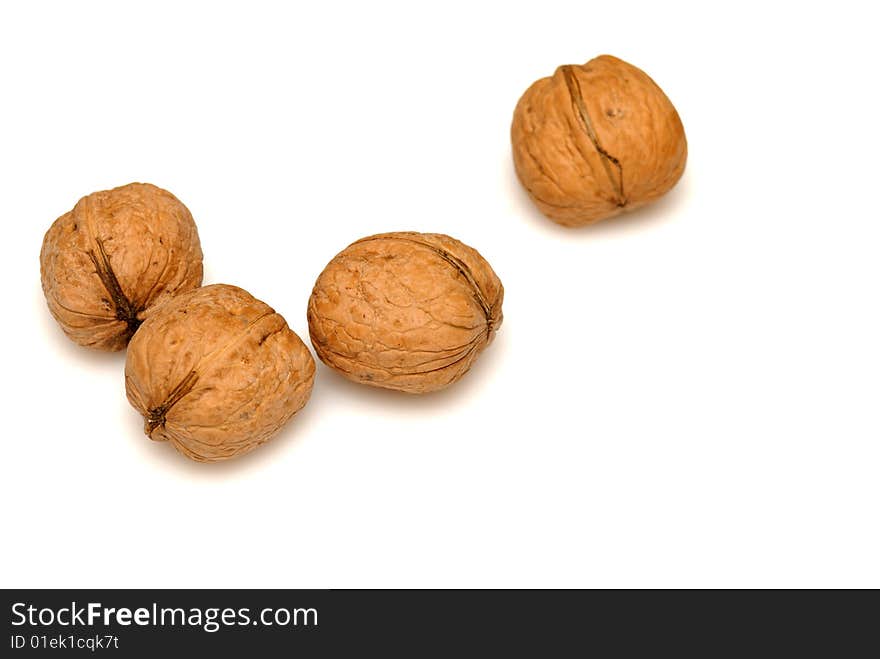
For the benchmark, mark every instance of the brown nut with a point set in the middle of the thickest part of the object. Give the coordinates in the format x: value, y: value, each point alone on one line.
x: 216, y: 372
x: 595, y: 140
x: 113, y: 258
x: 407, y: 311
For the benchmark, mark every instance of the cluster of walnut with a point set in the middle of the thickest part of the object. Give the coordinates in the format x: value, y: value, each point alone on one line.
x: 212, y: 370
x: 216, y: 372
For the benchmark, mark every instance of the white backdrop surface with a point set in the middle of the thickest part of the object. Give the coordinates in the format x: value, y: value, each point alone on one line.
x: 687, y: 396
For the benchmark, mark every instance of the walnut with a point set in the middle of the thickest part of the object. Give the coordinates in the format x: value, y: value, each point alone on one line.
x: 106, y: 264
x: 217, y: 373
x: 407, y: 311
x: 595, y: 140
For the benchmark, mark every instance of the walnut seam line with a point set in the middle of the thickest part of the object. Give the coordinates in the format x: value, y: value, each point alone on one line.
x: 580, y: 109
x: 125, y: 310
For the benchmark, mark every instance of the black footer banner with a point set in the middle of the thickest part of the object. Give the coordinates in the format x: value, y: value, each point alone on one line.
x: 415, y: 623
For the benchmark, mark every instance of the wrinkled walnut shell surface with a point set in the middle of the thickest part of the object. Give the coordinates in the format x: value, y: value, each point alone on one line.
x: 217, y: 373
x: 406, y: 311
x: 595, y: 140
x: 113, y: 258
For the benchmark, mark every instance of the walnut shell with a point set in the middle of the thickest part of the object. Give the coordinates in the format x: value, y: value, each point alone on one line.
x: 113, y: 258
x: 407, y: 311
x: 216, y: 372
x: 595, y: 140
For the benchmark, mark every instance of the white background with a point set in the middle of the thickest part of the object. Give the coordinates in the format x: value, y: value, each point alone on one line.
x: 687, y: 396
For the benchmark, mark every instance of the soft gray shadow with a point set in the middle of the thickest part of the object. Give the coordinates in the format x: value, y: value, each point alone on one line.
x: 330, y: 388
x: 662, y: 210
